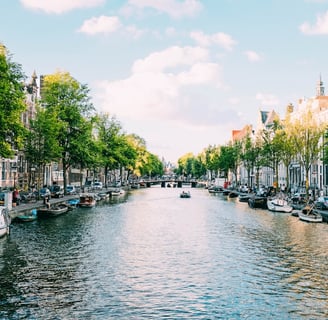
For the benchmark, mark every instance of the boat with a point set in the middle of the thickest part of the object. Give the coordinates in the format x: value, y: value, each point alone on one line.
x: 215, y: 189
x: 4, y: 221
x: 73, y: 203
x: 309, y: 214
x: 87, y: 200
x: 28, y: 217
x: 117, y: 192
x: 233, y: 194
x: 278, y: 204
x: 53, y: 210
x: 244, y: 197
x: 258, y: 201
x: 185, y: 194
x: 103, y: 195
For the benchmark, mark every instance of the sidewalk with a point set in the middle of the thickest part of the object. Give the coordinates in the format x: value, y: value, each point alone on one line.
x: 27, y: 207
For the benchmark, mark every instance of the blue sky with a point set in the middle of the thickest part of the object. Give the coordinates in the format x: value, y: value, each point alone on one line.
x: 182, y: 74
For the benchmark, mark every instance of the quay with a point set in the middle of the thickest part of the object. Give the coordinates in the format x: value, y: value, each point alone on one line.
x: 27, y: 207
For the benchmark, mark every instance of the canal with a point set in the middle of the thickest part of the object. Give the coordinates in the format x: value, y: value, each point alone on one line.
x: 153, y: 255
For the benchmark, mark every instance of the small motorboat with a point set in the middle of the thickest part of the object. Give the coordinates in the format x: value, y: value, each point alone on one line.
x: 279, y: 205
x: 117, y: 192
x: 308, y: 214
x: 52, y: 211
x: 87, y: 200
x: 73, y: 203
x: 185, y: 194
x: 244, y: 197
x: 28, y: 217
x: 4, y: 221
x: 258, y: 201
x: 215, y: 189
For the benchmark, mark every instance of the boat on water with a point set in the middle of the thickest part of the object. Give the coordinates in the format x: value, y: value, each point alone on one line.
x: 4, y: 221
x: 185, y: 194
x: 244, y: 197
x: 28, y: 217
x: 215, y: 189
x: 233, y: 194
x: 309, y: 214
x: 117, y: 192
x: 73, y: 203
x: 87, y: 200
x: 258, y: 201
x: 278, y: 204
x: 53, y: 210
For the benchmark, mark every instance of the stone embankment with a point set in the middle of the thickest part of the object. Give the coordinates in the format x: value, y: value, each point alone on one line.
x: 27, y: 207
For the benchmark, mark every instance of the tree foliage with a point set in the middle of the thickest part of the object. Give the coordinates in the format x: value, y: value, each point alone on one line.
x: 12, y: 104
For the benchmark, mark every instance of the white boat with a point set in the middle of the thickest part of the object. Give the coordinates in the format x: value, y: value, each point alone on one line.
x: 279, y: 205
x: 4, y: 221
x: 117, y: 192
x: 87, y: 200
x: 308, y: 214
x: 52, y: 211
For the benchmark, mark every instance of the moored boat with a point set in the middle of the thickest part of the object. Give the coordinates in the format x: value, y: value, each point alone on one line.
x: 258, y: 201
x: 87, y: 200
x: 215, y: 189
x: 244, y: 197
x: 117, y: 192
x: 4, y: 221
x: 308, y: 214
x: 279, y: 205
x: 52, y: 211
x: 28, y: 217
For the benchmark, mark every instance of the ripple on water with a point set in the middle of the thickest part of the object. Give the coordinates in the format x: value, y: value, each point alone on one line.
x: 155, y: 255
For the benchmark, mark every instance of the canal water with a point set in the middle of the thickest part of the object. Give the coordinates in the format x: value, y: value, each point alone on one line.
x: 153, y: 255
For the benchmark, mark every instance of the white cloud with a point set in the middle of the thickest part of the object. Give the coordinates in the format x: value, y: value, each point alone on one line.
x: 60, y: 6
x: 252, y: 56
x: 267, y: 100
x: 321, y: 26
x: 222, y: 39
x: 102, y: 24
x: 170, y: 58
x: 173, y: 8
x: 153, y: 92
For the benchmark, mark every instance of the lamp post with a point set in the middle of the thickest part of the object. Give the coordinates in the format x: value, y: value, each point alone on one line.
x: 33, y: 176
x: 14, y: 171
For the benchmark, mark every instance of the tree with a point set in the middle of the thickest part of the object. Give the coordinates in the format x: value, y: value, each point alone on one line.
x: 210, y: 158
x: 248, y: 156
x: 12, y: 104
x: 272, y: 148
x: 68, y: 101
x: 230, y: 158
x: 41, y: 146
x: 306, y: 133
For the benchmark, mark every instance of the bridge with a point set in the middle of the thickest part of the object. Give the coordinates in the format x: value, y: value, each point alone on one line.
x: 171, y: 183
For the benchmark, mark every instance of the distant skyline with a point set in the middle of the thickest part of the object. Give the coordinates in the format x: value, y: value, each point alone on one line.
x: 182, y: 74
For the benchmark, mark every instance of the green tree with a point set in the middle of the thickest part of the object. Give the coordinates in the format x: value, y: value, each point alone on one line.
x: 306, y: 133
x: 272, y: 148
x: 41, y: 145
x: 210, y: 157
x: 12, y: 104
x: 248, y: 156
x: 230, y: 159
x: 69, y: 102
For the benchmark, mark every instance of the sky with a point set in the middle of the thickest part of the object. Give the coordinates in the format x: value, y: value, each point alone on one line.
x: 181, y: 74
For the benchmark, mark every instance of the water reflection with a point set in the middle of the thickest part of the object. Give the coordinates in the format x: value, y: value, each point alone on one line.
x: 151, y: 254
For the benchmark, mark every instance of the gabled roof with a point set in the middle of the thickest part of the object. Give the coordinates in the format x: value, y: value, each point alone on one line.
x: 267, y: 118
